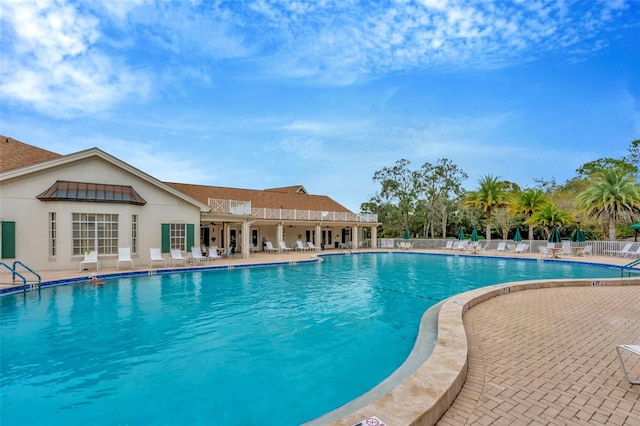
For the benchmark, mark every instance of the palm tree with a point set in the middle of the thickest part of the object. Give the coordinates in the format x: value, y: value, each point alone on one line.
x: 548, y: 216
x: 491, y: 195
x: 527, y: 203
x: 613, y: 194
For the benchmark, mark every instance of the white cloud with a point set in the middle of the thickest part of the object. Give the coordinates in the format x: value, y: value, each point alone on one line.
x: 49, y: 62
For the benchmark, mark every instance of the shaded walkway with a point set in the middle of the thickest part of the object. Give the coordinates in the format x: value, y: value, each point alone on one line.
x: 548, y: 356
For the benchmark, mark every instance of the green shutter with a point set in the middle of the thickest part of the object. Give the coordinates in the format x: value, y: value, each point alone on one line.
x: 166, y: 238
x: 8, y: 240
x: 190, y: 235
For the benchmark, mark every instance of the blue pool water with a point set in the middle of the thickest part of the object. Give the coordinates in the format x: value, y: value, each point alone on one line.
x: 279, y: 345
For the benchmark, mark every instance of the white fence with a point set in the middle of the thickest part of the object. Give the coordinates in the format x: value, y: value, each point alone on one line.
x: 244, y: 208
x: 598, y: 248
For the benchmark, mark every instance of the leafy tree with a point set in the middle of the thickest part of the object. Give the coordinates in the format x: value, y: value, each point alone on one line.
x: 613, y: 194
x: 597, y: 166
x: 527, y: 203
x: 441, y: 185
x: 504, y: 221
x: 548, y: 216
x: 399, y: 186
x: 490, y: 196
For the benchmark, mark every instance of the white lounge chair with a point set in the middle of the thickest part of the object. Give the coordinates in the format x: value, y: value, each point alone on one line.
x: 197, y: 256
x: 544, y: 251
x: 283, y: 246
x: 635, y: 350
x: 213, y: 253
x: 448, y: 245
x: 586, y: 251
x: 502, y: 247
x: 635, y: 253
x: 621, y: 253
x: 566, y: 248
x: 462, y: 245
x: 155, y: 255
x: 521, y: 248
x: 90, y: 258
x: 312, y: 247
x: 300, y: 246
x: 124, y: 255
x: 176, y: 256
x: 269, y: 247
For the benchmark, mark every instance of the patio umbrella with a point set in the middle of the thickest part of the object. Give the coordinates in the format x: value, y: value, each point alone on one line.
x: 636, y: 228
x: 406, y: 234
x: 577, y: 235
x: 517, y: 238
x: 474, y: 234
x: 461, y: 235
x: 554, y: 237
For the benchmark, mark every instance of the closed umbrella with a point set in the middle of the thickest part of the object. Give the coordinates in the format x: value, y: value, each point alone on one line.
x: 635, y: 227
x: 406, y: 234
x: 554, y: 237
x: 517, y: 238
x: 577, y: 235
x: 474, y: 234
x: 461, y: 236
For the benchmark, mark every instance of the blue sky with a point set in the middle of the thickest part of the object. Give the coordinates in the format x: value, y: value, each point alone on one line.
x: 324, y: 93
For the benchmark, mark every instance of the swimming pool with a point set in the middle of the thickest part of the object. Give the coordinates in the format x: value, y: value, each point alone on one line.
x: 278, y: 345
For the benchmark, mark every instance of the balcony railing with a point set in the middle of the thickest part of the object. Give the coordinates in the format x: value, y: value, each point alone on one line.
x: 244, y: 208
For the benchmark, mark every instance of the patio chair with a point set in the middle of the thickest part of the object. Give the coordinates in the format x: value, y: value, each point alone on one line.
x: 462, y: 245
x: 521, y: 248
x: 155, y: 255
x: 300, y: 246
x: 312, y: 247
x: 544, y: 251
x: 90, y: 258
x: 283, y: 246
x: 196, y: 254
x: 586, y: 251
x: 448, y: 246
x: 621, y: 253
x: 269, y: 247
x: 176, y: 256
x: 635, y: 253
x: 124, y: 255
x: 566, y: 248
x: 635, y: 350
x: 213, y: 254
x: 502, y: 247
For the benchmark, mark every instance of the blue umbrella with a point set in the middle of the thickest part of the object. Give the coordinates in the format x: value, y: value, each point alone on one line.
x: 517, y: 238
x: 474, y: 234
x: 461, y: 236
x: 554, y: 237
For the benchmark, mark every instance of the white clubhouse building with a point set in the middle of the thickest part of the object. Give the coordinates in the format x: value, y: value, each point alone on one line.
x: 55, y: 208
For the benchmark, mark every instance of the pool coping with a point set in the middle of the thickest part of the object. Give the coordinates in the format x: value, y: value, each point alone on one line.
x: 427, y: 394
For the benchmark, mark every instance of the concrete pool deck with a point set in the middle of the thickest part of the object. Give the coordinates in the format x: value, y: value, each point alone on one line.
x: 545, y: 356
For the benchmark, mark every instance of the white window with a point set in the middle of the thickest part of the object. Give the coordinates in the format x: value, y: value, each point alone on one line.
x: 178, y: 235
x: 134, y: 233
x: 95, y: 231
x: 52, y: 234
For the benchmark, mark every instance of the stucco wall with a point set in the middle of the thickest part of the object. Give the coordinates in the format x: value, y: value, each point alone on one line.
x: 18, y: 203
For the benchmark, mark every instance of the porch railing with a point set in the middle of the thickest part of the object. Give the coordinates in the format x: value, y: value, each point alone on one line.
x: 244, y: 208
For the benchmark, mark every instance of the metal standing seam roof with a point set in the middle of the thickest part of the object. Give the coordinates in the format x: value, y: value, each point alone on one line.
x: 93, y: 192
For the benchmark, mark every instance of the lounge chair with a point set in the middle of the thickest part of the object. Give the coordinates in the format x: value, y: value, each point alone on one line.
x: 406, y: 245
x: 197, y: 256
x: 544, y: 251
x: 502, y: 247
x: 621, y: 253
x: 586, y: 251
x: 283, y: 246
x: 300, y: 246
x: 124, y: 255
x: 635, y: 253
x: 176, y: 255
x: 312, y: 247
x: 521, y: 248
x: 462, y: 245
x: 448, y: 246
x: 213, y: 254
x: 635, y: 350
x: 269, y: 247
x: 155, y: 255
x: 90, y: 258
x: 566, y: 248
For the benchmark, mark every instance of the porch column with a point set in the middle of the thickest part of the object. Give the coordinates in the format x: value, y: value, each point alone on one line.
x: 354, y: 237
x: 279, y: 235
x: 318, y: 240
x: 374, y: 237
x: 246, y: 244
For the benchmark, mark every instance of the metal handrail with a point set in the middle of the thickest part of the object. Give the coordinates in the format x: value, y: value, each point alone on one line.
x: 13, y: 275
x: 17, y: 262
x: 630, y: 266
